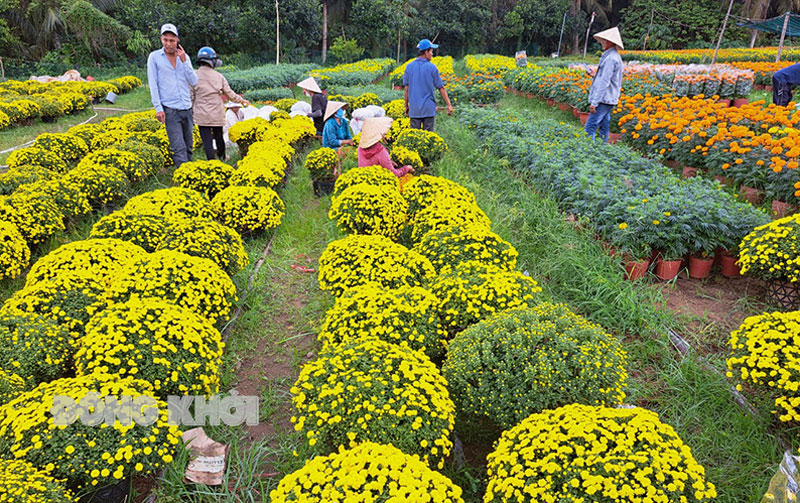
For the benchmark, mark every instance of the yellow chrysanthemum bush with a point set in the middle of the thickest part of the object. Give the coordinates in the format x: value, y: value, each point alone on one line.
x: 22, y: 175
x: 36, y: 218
x: 172, y: 348
x: 11, y: 385
x: 86, y: 132
x: 594, y: 454
x: 274, y: 145
x: 407, y: 316
x: 445, y: 212
x: 321, y: 162
x: 68, y: 147
x: 764, y: 355
x: 35, y: 156
x: 371, y: 390
x: 405, y: 157
x: 70, y: 199
x: 101, y: 259
x: 245, y: 133
x: 111, y: 137
x: 474, y: 291
x: 21, y: 482
x: 772, y: 251
x: 146, y: 231
x: 147, y: 153
x: 69, y: 299
x: 522, y: 361
x: 134, y: 167
x: 371, y: 175
x: 174, y: 202
x: 259, y: 169
x: 421, y: 191
x: 397, y: 128
x: 429, y: 145
x: 396, y: 109
x: 206, y: 177
x: 15, y: 254
x: 451, y: 246
x: 157, y: 139
x: 84, y: 451
x: 370, y: 209
x: 359, y: 259
x: 368, y: 471
x: 207, y: 239
x: 249, y: 209
x: 195, y: 283
x: 35, y: 347
x: 101, y: 183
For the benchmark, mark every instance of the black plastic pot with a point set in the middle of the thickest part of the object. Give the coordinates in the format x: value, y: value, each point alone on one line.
x: 115, y: 493
x: 323, y: 187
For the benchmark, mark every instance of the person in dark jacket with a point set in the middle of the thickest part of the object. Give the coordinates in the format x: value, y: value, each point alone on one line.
x: 783, y: 82
x: 318, y: 102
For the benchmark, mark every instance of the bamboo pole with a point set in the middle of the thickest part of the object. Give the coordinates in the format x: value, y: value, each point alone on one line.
x: 722, y: 32
x: 783, y: 36
x: 588, y: 30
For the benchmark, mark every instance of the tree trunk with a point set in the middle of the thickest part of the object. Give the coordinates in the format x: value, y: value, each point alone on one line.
x: 324, y: 31
x: 576, y: 41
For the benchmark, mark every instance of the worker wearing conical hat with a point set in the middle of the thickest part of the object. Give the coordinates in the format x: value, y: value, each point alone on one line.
x: 607, y: 84
x: 371, y: 151
x: 336, y: 131
x: 318, y: 101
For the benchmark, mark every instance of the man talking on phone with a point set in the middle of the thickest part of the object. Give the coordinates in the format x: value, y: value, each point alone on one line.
x: 170, y: 75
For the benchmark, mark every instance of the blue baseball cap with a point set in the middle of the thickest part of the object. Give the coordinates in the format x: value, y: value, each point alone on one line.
x: 426, y: 44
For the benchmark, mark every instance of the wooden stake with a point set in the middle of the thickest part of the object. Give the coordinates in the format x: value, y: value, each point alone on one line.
x: 277, y: 34
x: 783, y: 36
x: 722, y: 32
x: 588, y: 30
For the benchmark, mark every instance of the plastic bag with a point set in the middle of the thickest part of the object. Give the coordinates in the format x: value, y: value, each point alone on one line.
x: 521, y: 58
x: 300, y: 107
x: 783, y: 488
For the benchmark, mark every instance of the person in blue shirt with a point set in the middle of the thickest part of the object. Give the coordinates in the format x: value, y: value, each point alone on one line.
x: 421, y: 79
x: 783, y: 82
x: 336, y: 131
x: 606, y: 85
x: 170, y: 76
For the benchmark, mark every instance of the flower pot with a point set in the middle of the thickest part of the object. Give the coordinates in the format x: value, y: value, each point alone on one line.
x: 700, y: 267
x: 781, y: 209
x: 689, y: 172
x: 668, y: 269
x: 758, y: 87
x: 636, y: 269
x: 724, y: 180
x: 49, y: 120
x: 725, y: 102
x: 730, y: 269
x: 551, y: 102
x: 583, y: 116
x: 739, y: 102
x: 614, y: 137
x: 672, y: 163
x: 575, y: 112
x: 397, y: 88
x: 784, y: 293
x: 564, y: 107
x: 751, y: 194
x: 115, y: 493
x: 323, y: 187
x: 768, y: 88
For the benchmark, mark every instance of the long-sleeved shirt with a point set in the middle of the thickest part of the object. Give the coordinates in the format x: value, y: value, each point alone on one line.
x: 607, y: 83
x: 207, y: 97
x: 377, y: 155
x: 335, y: 132
x: 319, y: 102
x: 170, y: 87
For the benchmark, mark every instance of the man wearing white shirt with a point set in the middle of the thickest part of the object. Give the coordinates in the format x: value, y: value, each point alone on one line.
x: 170, y: 75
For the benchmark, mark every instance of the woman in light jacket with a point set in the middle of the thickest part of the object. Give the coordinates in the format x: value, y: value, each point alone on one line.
x: 209, y: 111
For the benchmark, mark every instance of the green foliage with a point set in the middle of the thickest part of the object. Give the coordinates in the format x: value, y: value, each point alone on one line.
x: 346, y: 50
x: 676, y: 25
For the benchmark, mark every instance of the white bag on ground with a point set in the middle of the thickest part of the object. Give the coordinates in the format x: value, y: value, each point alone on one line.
x: 250, y: 112
x: 264, y: 111
x: 359, y: 114
x: 301, y: 107
x: 784, y: 487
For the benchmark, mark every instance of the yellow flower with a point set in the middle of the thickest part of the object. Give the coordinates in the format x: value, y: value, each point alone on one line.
x: 623, y: 226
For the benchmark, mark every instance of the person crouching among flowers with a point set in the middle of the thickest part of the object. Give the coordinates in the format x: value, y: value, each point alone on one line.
x: 371, y: 151
x: 336, y: 131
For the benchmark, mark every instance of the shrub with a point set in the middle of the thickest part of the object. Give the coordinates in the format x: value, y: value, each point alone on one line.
x: 129, y: 163
x: 149, y: 154
x: 273, y: 146
x: 68, y: 147
x: 285, y: 104
x: 472, y: 292
x: 101, y: 259
x: 146, y: 231
x: 366, y: 99
x: 321, y: 163
x: 206, y: 177
x: 172, y: 348
x: 523, y: 361
x: 368, y: 391
x: 69, y: 300
x: 69, y: 198
x: 15, y: 255
x: 259, y: 169
x: 429, y: 145
x: 174, y: 202
x: 87, y: 455
x: 100, y: 183
x: 35, y: 347
x: 397, y: 128
x: 396, y: 109
x: 206, y: 239
x: 372, y: 175
x: 245, y: 133
x: 770, y: 251
x: 384, y: 473
x: 359, y: 259
x: 21, y: 175
x: 11, y: 385
x: 423, y: 190
x: 110, y: 138
x: 404, y: 157
x: 406, y: 316
x: 594, y: 454
x: 367, y: 209
x: 271, y: 94
x: 195, y: 283
x: 36, y: 156
x: 444, y: 213
x: 763, y: 355
x: 249, y: 209
x: 86, y: 132
x: 36, y: 218
x: 450, y: 246
x: 24, y: 483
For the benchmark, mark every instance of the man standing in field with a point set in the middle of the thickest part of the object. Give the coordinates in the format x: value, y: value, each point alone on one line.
x: 421, y: 80
x: 607, y: 84
x: 170, y: 75
x: 783, y: 83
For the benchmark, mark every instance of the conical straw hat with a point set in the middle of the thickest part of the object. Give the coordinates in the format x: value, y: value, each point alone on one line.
x: 332, y: 107
x: 309, y: 85
x: 612, y: 35
x: 373, y: 130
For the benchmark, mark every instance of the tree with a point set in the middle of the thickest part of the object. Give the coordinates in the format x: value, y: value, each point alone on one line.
x: 374, y: 24
x: 676, y: 25
x: 346, y: 50
x: 601, y: 8
x: 531, y: 20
